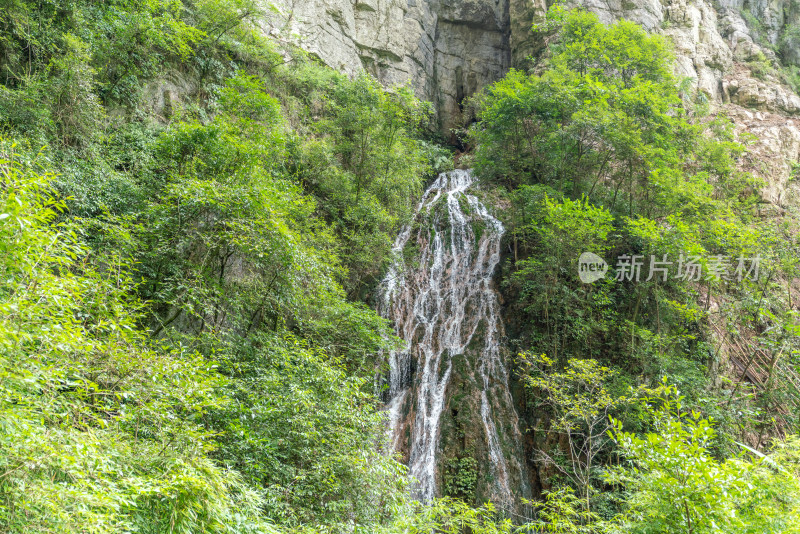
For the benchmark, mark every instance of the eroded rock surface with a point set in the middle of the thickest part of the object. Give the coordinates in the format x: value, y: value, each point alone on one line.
x: 446, y: 49
x: 728, y: 49
x: 449, y: 49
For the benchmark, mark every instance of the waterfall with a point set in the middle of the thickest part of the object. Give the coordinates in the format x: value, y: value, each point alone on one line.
x: 443, y: 306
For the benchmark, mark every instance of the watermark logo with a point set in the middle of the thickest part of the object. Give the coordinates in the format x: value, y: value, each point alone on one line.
x: 591, y: 267
x: 636, y: 268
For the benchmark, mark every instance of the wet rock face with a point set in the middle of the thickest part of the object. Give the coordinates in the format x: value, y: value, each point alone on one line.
x: 450, y: 410
x: 446, y: 49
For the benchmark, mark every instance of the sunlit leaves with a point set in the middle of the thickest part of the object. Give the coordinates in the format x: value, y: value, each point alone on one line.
x: 98, y: 427
x: 678, y: 485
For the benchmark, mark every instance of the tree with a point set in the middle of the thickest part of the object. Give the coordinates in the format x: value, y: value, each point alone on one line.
x: 100, y: 428
x: 677, y: 484
x: 556, y: 232
x: 580, y: 405
x: 562, y: 512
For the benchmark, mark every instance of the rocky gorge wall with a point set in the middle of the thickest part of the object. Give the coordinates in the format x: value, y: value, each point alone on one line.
x: 449, y: 49
x: 446, y: 49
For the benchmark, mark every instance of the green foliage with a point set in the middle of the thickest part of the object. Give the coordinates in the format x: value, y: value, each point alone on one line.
x: 367, y: 170
x: 677, y: 485
x: 184, y: 344
x: 760, y: 66
x: 557, y: 232
x: 608, y: 132
x: 562, y: 512
x: 579, y: 403
x: 453, y: 516
x: 214, y: 372
x: 602, y: 150
x: 99, y: 427
x: 309, y: 433
x: 604, y: 119
x: 461, y: 475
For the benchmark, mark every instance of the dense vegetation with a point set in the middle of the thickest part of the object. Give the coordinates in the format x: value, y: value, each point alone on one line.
x: 601, y: 149
x: 179, y: 350
x: 193, y: 215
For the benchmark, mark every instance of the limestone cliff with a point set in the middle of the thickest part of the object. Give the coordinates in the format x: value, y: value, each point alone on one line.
x: 449, y: 49
x: 726, y: 48
x: 446, y: 49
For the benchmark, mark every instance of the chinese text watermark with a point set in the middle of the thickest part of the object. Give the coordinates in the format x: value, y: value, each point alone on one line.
x: 641, y: 268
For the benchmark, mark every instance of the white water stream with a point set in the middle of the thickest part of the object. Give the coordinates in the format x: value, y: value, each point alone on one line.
x: 444, y: 307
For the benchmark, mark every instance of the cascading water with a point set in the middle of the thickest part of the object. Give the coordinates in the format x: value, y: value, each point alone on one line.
x: 444, y: 308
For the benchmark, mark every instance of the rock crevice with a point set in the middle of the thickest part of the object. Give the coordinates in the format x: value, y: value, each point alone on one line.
x: 445, y: 49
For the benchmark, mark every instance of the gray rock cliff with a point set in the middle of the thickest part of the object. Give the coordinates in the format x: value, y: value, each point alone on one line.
x: 446, y: 49
x: 728, y: 48
x: 449, y: 49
